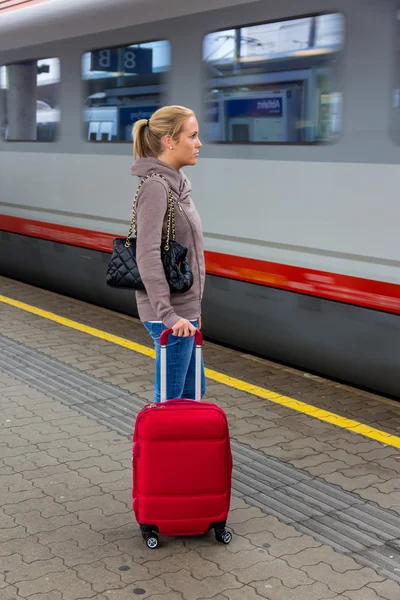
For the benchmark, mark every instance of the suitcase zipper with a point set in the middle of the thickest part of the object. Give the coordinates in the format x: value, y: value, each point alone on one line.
x: 196, y: 405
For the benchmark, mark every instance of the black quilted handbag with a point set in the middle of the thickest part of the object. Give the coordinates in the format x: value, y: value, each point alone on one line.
x: 123, y: 272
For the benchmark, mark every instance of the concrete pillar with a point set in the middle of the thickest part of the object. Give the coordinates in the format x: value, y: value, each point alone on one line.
x: 21, y: 101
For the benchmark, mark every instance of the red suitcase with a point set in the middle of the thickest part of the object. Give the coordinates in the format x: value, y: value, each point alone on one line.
x: 182, y: 464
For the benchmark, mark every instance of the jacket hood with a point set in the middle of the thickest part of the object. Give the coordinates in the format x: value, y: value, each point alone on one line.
x: 178, y: 181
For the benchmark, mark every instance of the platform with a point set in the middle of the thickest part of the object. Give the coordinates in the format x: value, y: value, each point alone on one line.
x: 316, y: 483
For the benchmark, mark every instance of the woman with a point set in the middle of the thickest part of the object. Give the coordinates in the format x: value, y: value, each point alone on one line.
x: 164, y: 144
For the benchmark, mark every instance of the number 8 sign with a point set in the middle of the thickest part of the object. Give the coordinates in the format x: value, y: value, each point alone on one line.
x: 138, y: 60
x: 128, y: 60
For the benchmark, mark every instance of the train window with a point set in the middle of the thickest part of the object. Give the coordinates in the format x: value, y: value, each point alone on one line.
x: 123, y: 85
x: 395, y: 112
x: 274, y: 82
x: 29, y: 101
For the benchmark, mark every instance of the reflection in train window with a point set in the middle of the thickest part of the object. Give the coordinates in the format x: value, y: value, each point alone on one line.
x: 276, y: 82
x: 123, y: 85
x: 29, y: 103
x: 395, y: 112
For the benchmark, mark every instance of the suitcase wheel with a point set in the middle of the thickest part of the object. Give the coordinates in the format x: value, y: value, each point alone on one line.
x: 223, y: 535
x: 152, y: 540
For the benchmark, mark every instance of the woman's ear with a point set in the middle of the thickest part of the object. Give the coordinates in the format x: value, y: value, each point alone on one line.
x: 167, y: 142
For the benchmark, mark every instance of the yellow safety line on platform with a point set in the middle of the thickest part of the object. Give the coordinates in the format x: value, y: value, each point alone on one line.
x: 238, y: 384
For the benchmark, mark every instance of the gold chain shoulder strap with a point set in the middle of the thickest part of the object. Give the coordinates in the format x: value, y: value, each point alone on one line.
x: 170, y: 213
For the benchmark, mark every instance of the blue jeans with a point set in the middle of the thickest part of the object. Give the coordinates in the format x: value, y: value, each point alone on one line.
x: 181, y: 361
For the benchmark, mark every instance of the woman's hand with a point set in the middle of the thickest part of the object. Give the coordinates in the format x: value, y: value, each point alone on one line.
x: 183, y: 328
x: 199, y: 323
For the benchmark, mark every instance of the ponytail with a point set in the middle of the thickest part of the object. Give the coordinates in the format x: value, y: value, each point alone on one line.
x: 148, y: 134
x: 141, y: 146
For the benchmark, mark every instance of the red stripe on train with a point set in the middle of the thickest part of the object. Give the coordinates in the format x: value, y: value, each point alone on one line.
x: 7, y: 5
x: 342, y: 288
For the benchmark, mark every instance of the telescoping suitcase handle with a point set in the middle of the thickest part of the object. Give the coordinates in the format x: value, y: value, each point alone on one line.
x: 198, y: 340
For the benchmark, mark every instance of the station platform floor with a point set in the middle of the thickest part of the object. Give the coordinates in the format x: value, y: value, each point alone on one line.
x: 315, y: 511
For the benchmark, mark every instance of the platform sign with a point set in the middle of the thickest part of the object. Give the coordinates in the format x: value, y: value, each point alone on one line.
x: 129, y: 115
x: 104, y: 60
x: 255, y: 107
x: 138, y: 61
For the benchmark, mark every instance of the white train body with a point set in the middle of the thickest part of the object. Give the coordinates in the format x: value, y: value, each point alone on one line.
x: 317, y: 223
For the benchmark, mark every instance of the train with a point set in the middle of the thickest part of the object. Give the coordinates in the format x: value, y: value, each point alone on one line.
x: 299, y: 111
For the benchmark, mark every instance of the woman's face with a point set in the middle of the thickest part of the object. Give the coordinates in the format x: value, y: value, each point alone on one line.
x: 186, y: 148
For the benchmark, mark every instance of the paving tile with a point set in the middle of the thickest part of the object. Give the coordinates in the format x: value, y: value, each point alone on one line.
x: 321, y: 554
x: 237, y: 544
x: 153, y: 588
x: 275, y: 589
x: 134, y: 546
x: 392, y: 463
x: 7, y: 497
x: 351, y: 484
x: 72, y: 554
x: 241, y: 515
x: 13, y: 533
x: 96, y: 476
x: 53, y: 595
x: 6, y: 521
x: 246, y: 592
x: 326, y: 468
x: 342, y: 582
x: 106, y: 502
x: 363, y: 594
x: 389, y: 486
x: 104, y: 463
x: 119, y: 533
x: 261, y: 531
x: 389, y: 590
x: 277, y: 568
x: 8, y: 592
x: 128, y: 568
x: 30, y: 549
x: 66, y: 581
x: 45, y: 505
x: 372, y: 468
x: 19, y: 571
x: 383, y: 499
x: 254, y: 525
x: 71, y: 479
x: 129, y: 593
x: 36, y: 474
x: 61, y: 454
x: 380, y: 454
x: 124, y: 496
x: 101, y: 522
x: 63, y: 495
x: 292, y: 546
x: 81, y: 533
x: 102, y: 578
x: 228, y: 560
x: 16, y: 450
x: 305, y: 441
x: 35, y: 523
x: 199, y: 566
x: 192, y: 588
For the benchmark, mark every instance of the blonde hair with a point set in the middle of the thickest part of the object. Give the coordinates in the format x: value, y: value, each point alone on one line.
x: 168, y: 120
